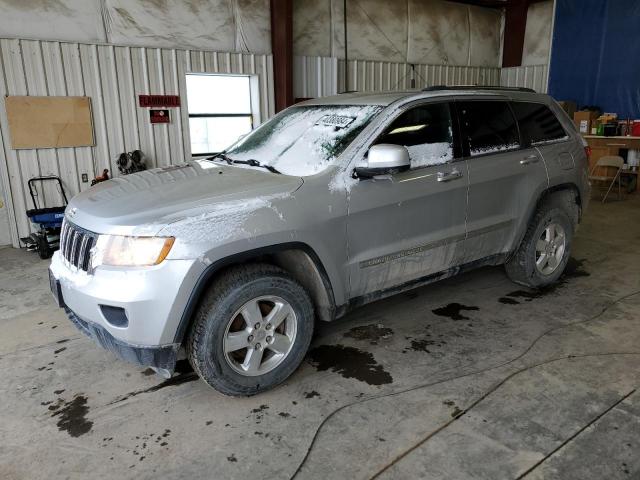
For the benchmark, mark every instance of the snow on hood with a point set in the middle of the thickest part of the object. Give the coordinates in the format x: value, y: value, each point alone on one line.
x: 145, y: 202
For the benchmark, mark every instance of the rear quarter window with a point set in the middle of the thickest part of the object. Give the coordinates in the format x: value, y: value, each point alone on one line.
x: 538, y: 124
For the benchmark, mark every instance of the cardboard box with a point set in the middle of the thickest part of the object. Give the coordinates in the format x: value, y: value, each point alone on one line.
x: 584, y: 120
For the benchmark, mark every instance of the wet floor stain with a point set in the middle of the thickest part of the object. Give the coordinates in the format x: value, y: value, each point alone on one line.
x: 425, y: 345
x: 453, y: 311
x: 311, y: 394
x: 456, y: 412
x: 523, y: 295
x: 350, y: 363
x: 573, y: 269
x: 261, y: 408
x: 372, y: 333
x: 232, y: 458
x: 55, y: 352
x: 258, y: 413
x: 508, y: 301
x: 73, y: 416
x: 183, y: 374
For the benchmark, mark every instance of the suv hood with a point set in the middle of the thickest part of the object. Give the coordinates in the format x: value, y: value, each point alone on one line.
x: 144, y: 202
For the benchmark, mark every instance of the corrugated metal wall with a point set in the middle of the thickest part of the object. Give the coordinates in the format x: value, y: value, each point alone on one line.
x: 113, y: 77
x: 530, y: 76
x: 321, y: 76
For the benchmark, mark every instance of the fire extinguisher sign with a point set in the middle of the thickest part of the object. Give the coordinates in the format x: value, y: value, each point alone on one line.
x: 159, y: 116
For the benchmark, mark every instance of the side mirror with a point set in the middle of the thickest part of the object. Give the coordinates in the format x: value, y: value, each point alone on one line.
x: 385, y: 159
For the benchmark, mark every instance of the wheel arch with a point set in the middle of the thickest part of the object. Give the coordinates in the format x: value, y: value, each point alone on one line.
x: 542, y: 197
x: 296, y: 258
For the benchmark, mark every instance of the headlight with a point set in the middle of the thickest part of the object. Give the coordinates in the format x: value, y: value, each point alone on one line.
x: 122, y: 251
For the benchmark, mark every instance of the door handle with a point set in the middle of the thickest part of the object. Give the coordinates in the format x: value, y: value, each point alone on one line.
x: 529, y: 159
x: 447, y: 176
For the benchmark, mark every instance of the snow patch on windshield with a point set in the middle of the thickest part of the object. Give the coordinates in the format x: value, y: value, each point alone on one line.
x: 303, y: 142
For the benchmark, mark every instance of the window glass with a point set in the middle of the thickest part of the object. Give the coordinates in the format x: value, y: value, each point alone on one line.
x: 426, y: 132
x: 217, y: 94
x: 489, y: 127
x: 538, y: 124
x: 219, y: 111
x: 303, y: 141
x: 214, y: 134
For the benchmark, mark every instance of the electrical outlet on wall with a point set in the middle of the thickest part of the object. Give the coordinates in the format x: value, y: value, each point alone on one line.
x: 85, y: 178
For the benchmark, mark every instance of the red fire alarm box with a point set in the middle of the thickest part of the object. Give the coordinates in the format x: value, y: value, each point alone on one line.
x: 159, y: 116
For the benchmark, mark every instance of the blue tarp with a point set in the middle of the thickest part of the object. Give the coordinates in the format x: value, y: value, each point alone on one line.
x: 595, y: 58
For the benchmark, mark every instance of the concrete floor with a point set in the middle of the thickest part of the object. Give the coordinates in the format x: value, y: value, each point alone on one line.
x: 473, y: 377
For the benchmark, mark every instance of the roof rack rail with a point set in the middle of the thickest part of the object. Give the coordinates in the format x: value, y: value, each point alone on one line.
x: 436, y: 88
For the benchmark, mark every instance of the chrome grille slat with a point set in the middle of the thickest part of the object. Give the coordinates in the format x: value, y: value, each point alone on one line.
x: 74, y: 247
x: 76, y: 244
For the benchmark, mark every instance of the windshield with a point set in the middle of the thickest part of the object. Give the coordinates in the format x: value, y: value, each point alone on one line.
x: 303, y: 141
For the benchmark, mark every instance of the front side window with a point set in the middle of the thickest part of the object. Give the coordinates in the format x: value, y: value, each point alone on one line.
x: 304, y: 140
x: 488, y: 126
x: 219, y: 111
x: 538, y: 124
x: 426, y: 132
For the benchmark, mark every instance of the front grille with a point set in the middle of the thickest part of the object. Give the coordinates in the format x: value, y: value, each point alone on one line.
x: 76, y: 244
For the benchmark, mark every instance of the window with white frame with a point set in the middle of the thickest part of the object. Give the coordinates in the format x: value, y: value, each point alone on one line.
x: 219, y: 111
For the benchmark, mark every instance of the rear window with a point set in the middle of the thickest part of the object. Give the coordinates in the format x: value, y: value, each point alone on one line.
x: 488, y: 127
x: 538, y: 124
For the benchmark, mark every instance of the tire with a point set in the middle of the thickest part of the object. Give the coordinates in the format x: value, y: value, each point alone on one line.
x: 255, y: 291
x: 526, y: 267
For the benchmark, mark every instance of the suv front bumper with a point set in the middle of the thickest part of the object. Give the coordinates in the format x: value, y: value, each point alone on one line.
x: 159, y: 357
x: 152, y: 299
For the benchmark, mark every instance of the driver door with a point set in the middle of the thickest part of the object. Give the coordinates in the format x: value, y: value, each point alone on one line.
x: 410, y: 225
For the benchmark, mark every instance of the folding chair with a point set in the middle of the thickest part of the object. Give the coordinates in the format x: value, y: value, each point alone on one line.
x: 605, y: 164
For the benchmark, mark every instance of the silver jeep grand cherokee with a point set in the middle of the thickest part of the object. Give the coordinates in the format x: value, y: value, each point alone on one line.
x: 331, y: 204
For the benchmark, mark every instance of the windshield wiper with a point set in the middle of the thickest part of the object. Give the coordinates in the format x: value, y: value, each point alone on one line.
x: 251, y: 162
x: 255, y: 163
x: 222, y: 156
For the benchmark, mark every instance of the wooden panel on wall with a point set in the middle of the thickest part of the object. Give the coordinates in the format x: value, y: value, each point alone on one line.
x: 49, y: 122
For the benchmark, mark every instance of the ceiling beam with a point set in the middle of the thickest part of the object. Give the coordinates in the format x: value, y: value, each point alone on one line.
x: 515, y: 24
x: 282, y: 48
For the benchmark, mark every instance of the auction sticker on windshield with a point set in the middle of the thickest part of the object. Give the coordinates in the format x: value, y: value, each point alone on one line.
x: 339, y: 121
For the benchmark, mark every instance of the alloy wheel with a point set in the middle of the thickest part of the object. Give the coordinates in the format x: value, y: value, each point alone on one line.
x: 550, y: 249
x: 260, y: 335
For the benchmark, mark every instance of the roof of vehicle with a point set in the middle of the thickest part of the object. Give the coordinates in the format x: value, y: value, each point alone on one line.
x: 387, y: 98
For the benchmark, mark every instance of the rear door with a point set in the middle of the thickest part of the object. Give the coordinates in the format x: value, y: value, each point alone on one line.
x: 411, y: 224
x: 504, y: 174
x: 541, y: 129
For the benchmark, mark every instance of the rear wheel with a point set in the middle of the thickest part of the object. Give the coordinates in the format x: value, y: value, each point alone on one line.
x: 546, y: 246
x: 251, y: 331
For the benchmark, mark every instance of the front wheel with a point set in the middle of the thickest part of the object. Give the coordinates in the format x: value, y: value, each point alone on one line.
x: 251, y: 331
x: 545, y: 248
